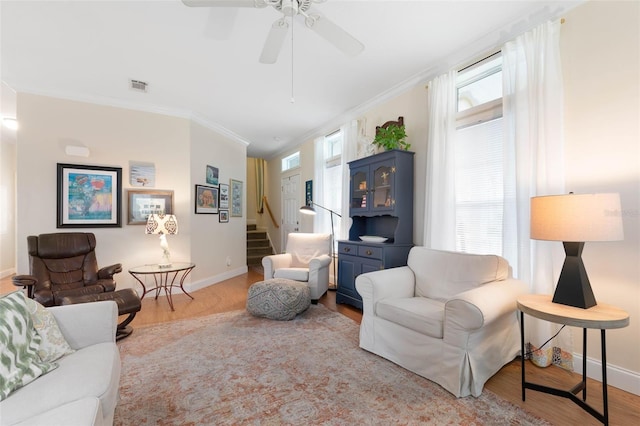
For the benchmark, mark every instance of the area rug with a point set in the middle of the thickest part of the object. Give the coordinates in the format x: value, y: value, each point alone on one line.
x: 235, y: 369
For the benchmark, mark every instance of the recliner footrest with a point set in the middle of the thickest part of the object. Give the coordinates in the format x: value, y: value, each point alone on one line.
x: 127, y: 300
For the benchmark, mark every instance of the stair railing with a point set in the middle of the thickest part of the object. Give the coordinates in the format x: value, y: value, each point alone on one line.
x: 273, y: 219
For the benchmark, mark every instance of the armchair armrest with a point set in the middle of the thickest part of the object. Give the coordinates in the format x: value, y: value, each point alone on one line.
x: 480, y: 306
x: 275, y: 261
x: 319, y: 262
x: 25, y: 281
x: 109, y: 271
x: 394, y: 283
x: 86, y: 324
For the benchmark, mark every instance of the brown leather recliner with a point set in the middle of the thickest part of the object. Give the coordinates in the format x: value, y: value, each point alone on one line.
x: 63, y: 265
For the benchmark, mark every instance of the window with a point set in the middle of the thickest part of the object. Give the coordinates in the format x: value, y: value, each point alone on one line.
x: 330, y: 188
x: 479, y: 165
x: 291, y: 162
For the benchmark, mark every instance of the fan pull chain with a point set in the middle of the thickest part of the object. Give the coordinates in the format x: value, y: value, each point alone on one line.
x: 293, y: 100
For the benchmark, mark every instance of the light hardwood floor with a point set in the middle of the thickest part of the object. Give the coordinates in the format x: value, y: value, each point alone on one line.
x: 624, y: 407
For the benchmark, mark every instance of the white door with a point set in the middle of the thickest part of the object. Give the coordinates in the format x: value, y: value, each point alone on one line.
x: 290, y: 207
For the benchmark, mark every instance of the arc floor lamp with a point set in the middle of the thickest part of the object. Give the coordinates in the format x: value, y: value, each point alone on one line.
x: 309, y: 209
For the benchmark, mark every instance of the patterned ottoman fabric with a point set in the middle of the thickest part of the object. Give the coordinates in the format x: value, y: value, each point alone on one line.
x: 278, y: 299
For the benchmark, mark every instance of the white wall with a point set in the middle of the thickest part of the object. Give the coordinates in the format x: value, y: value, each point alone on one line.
x: 7, y: 213
x: 601, y: 67
x: 115, y: 137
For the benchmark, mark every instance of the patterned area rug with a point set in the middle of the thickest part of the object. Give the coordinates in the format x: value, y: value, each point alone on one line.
x: 233, y: 368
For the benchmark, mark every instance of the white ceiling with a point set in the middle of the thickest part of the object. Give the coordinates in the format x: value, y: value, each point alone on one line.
x: 88, y: 50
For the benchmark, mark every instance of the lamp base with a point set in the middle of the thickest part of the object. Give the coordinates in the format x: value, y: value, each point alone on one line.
x: 574, y: 288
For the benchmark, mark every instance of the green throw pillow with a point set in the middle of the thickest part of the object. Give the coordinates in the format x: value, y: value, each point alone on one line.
x: 53, y: 345
x: 19, y: 342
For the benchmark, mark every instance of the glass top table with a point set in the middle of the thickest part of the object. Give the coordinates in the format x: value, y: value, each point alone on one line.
x: 164, y: 277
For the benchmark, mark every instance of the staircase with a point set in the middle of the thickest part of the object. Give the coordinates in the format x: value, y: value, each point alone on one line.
x: 258, y: 245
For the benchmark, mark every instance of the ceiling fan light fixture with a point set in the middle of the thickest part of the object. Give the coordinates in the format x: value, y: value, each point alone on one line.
x: 289, y: 7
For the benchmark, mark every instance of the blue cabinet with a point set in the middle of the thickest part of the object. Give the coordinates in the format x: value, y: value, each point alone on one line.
x: 381, y: 205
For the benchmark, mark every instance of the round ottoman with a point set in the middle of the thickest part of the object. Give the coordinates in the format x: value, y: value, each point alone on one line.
x: 278, y: 299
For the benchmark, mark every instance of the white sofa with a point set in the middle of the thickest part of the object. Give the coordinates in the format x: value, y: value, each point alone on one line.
x: 306, y: 259
x: 83, y: 390
x: 447, y: 316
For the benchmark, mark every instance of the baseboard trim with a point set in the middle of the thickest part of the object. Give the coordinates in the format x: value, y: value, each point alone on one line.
x: 7, y: 272
x: 206, y: 282
x: 618, y: 377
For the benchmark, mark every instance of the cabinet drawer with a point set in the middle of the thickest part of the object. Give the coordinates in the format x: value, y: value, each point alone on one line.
x: 351, y: 249
x: 370, y: 252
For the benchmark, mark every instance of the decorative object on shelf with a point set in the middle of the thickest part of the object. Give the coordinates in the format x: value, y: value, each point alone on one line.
x: 163, y: 224
x: 223, y: 217
x: 308, y: 192
x: 88, y: 196
x: 223, y: 202
x: 373, y: 239
x: 212, y: 175
x: 308, y: 209
x: 574, y: 219
x: 206, y: 199
x: 143, y: 202
x: 392, y: 135
x: 142, y: 174
x: 236, y: 198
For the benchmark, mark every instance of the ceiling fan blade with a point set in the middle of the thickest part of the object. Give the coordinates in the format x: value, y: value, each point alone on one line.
x: 225, y: 3
x: 275, y: 40
x: 334, y: 34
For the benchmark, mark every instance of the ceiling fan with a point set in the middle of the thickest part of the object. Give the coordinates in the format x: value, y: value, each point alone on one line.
x: 302, y: 9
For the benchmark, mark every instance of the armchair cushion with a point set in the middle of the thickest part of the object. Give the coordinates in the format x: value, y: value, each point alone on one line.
x: 441, y: 276
x: 416, y: 313
x: 304, y: 247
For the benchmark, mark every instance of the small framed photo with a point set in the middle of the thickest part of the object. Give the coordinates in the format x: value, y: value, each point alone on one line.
x: 88, y: 196
x: 206, y: 199
x: 237, y: 198
x: 142, y: 174
x: 212, y: 175
x: 224, y: 196
x: 223, y: 217
x: 143, y: 202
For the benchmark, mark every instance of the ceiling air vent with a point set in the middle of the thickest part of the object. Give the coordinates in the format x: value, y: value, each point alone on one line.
x: 138, y: 85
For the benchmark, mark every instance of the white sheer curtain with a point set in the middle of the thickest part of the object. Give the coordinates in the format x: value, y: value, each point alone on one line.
x: 318, y: 178
x: 534, y: 164
x: 440, y: 202
x: 350, y: 134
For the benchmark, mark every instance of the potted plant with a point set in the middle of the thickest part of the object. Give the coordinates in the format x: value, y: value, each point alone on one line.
x: 391, y: 136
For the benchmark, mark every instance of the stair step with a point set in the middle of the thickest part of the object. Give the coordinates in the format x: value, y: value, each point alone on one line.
x: 252, y: 227
x: 256, y: 235
x: 254, y: 260
x: 255, y: 251
x: 258, y: 243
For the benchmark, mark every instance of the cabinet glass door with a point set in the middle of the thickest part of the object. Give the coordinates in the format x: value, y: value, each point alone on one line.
x: 382, y: 182
x: 359, y: 189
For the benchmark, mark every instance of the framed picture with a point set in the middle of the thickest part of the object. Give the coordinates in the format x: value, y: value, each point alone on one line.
x: 206, y: 199
x: 212, y: 175
x: 308, y: 192
x: 236, y: 198
x: 223, y: 217
x: 142, y: 174
x: 143, y: 202
x: 224, y: 196
x: 88, y: 196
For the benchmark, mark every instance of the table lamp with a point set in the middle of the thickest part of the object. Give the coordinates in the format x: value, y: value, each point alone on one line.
x: 163, y: 224
x: 574, y: 219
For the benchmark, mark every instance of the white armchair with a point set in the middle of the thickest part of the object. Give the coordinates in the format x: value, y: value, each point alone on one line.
x: 306, y: 259
x: 447, y: 316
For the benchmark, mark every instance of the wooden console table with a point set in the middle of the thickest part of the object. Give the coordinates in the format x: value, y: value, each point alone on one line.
x: 600, y: 317
x: 165, y: 278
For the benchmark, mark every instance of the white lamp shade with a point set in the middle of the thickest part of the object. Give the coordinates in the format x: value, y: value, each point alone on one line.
x: 576, y: 217
x: 165, y: 224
